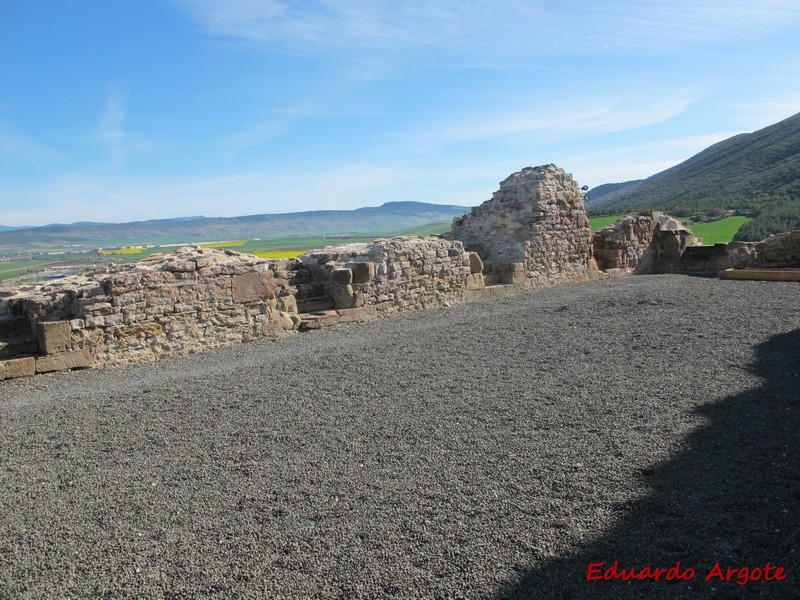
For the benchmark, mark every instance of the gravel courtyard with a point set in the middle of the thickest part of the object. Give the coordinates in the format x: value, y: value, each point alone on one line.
x: 489, y: 450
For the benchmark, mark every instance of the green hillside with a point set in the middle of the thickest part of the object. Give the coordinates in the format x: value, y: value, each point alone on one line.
x: 755, y: 174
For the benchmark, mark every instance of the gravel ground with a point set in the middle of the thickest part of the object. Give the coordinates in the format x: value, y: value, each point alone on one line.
x: 490, y: 450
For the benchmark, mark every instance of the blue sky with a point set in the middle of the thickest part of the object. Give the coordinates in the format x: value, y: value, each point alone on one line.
x: 119, y: 110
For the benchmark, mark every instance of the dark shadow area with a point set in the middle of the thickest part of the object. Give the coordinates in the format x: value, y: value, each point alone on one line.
x: 731, y: 498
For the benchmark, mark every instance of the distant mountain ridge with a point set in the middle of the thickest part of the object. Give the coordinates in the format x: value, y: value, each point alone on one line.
x: 607, y: 189
x: 390, y: 216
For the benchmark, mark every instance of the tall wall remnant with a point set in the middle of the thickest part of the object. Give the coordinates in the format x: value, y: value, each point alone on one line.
x: 533, y: 231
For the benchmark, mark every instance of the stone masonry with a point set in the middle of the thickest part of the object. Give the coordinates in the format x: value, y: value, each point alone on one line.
x: 650, y: 242
x: 191, y: 300
x: 387, y: 277
x: 781, y: 250
x: 533, y: 231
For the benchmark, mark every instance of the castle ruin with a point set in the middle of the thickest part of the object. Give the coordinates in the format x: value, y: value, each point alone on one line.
x: 533, y: 232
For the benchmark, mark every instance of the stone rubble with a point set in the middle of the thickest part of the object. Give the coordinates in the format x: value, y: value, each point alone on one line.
x: 650, y: 242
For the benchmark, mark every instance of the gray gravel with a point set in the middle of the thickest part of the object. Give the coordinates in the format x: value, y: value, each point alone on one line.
x: 489, y: 450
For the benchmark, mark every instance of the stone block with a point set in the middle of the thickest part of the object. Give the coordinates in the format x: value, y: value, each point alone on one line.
x: 53, y: 336
x: 17, y: 367
x: 474, y: 281
x: 76, y: 359
x: 475, y: 263
x: 252, y: 287
x: 341, y: 277
x: 342, y: 296
x: 363, y: 272
x: 358, y: 315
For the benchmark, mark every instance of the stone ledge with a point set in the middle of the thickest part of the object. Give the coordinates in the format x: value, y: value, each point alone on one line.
x: 761, y: 275
x: 17, y: 367
x: 77, y: 359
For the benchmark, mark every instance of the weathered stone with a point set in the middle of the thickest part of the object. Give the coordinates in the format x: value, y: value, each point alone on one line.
x: 287, y: 304
x: 252, y: 287
x: 53, y: 336
x: 17, y: 367
x: 474, y: 281
x: 76, y: 359
x: 147, y: 330
x: 363, y: 272
x: 475, y: 263
x: 341, y: 277
x: 343, y: 296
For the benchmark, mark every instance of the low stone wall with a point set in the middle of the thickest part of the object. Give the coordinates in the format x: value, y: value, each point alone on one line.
x: 191, y: 300
x: 397, y: 275
x: 650, y: 242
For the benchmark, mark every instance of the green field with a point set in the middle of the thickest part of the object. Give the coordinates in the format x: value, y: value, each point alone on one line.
x: 718, y: 232
x: 599, y: 222
x: 12, y: 269
x: 712, y: 232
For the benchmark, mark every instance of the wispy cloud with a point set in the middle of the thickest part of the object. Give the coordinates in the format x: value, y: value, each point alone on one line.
x: 497, y: 28
x: 112, y: 122
x: 565, y: 120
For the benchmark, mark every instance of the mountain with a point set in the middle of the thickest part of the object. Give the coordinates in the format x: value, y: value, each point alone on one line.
x: 391, y: 216
x: 607, y: 189
x: 9, y: 228
x: 738, y: 173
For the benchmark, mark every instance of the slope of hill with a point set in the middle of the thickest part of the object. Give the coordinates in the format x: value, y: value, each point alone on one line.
x: 756, y: 174
x: 391, y: 216
x: 607, y: 190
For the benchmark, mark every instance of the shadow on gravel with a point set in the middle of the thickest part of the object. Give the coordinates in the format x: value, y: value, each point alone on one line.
x: 731, y: 498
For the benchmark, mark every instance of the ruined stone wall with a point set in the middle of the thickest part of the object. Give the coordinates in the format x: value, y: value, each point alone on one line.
x: 533, y: 231
x: 191, y: 300
x: 650, y: 242
x: 781, y: 250
x: 397, y: 275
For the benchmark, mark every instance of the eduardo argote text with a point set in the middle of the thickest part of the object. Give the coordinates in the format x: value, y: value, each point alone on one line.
x: 742, y: 575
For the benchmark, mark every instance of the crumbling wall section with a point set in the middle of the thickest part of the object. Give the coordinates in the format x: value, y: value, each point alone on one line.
x: 534, y: 230
x: 650, y: 242
x: 780, y: 250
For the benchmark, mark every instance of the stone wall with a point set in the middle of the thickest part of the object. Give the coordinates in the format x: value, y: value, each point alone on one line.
x: 650, y: 242
x: 386, y: 277
x: 781, y: 250
x: 533, y: 231
x: 191, y: 300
